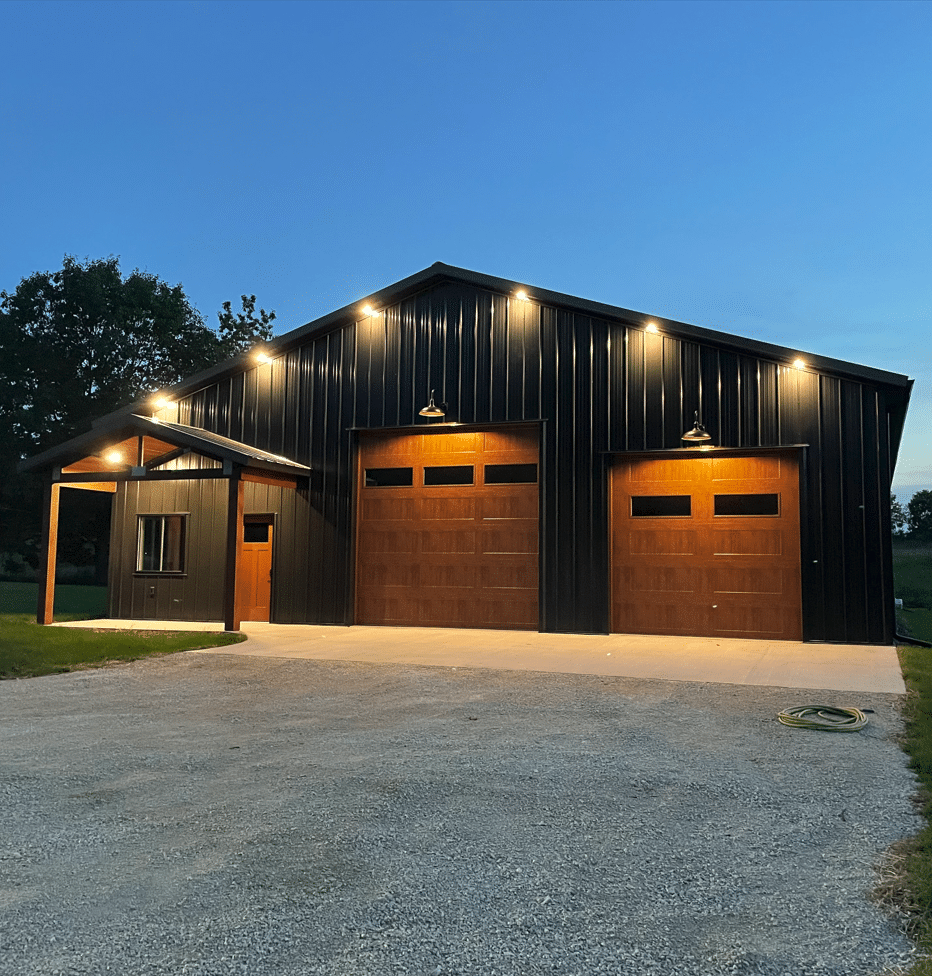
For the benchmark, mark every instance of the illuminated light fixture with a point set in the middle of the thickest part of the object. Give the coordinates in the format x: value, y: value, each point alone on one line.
x: 369, y: 310
x: 698, y: 434
x: 113, y: 457
x: 162, y: 402
x: 262, y: 357
x: 432, y: 410
x: 521, y: 295
x: 799, y: 364
x: 651, y: 327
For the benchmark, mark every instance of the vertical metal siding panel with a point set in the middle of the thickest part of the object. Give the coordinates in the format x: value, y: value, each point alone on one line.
x: 549, y: 516
x: 408, y: 373
x: 875, y: 536
x: 673, y: 422
x: 615, y: 392
x: 274, y: 406
x: 390, y: 379
x: 499, y: 363
x: 303, y: 404
x: 469, y: 328
x: 691, y: 385
x: 653, y: 391
x: 209, y: 419
x: 884, y: 485
x: 710, y: 394
x: 857, y: 596
x: 634, y: 391
x: 729, y: 402
x: 834, y: 522
x: 596, y: 419
x: 223, y: 408
x: 799, y: 415
x: 292, y: 417
x: 748, y: 402
x: 368, y: 335
x: 343, y: 380
x: 519, y: 317
x: 768, y: 404
x: 565, y: 555
x: 483, y: 362
x: 263, y: 394
x: 237, y: 388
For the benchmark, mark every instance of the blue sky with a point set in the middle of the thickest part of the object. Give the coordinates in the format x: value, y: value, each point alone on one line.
x: 760, y: 168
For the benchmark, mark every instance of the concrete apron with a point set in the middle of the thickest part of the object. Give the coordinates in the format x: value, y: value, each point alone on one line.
x: 781, y: 664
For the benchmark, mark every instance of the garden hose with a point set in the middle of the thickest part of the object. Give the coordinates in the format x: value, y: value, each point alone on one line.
x: 826, y: 718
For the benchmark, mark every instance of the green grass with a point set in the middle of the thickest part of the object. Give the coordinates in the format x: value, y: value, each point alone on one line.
x: 910, y: 887
x: 28, y: 650
x: 71, y: 602
x: 912, y: 573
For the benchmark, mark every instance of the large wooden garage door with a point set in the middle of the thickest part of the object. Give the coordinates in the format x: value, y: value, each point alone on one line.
x: 447, y: 531
x: 707, y: 546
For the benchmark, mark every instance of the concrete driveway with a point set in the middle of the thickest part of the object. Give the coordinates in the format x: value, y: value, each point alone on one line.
x: 781, y: 664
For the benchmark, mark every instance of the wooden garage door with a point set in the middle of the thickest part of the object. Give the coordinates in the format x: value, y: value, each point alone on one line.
x: 707, y: 546
x: 447, y: 531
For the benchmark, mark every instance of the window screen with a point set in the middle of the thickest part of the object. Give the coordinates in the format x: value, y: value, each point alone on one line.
x: 660, y: 506
x: 511, y: 474
x: 747, y: 504
x: 161, y: 544
x: 389, y: 477
x: 449, y: 474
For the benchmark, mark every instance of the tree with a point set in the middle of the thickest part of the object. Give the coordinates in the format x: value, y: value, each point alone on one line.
x: 244, y: 330
x: 919, y: 515
x: 898, y: 517
x: 83, y: 341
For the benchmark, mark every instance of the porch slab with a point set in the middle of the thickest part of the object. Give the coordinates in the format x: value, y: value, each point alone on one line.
x: 782, y: 664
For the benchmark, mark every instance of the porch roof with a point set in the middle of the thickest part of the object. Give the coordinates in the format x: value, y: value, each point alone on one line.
x: 158, y: 438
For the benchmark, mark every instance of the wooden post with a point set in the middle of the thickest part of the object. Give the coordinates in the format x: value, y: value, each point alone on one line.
x: 45, y: 608
x: 235, y: 504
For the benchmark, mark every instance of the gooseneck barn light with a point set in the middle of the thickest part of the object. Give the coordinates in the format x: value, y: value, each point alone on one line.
x: 432, y: 410
x: 698, y: 434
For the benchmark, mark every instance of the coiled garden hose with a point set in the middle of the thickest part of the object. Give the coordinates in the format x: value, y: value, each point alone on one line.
x: 826, y: 718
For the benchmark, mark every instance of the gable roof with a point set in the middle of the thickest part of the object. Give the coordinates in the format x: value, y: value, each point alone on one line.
x: 203, y: 442
x: 899, y: 386
x: 439, y: 273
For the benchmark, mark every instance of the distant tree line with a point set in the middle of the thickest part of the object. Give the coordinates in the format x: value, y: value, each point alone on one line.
x: 914, y: 520
x: 79, y: 343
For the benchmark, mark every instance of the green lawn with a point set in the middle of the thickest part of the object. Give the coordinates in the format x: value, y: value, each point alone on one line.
x: 28, y: 650
x: 71, y: 602
x: 912, y: 573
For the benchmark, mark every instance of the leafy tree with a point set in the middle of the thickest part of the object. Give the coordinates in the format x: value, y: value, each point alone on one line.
x: 898, y: 517
x: 243, y: 330
x: 919, y: 515
x: 83, y: 341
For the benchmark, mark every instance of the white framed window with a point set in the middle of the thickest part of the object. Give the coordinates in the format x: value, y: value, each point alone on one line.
x: 161, y: 543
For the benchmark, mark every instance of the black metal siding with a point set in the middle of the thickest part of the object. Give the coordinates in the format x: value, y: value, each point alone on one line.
x: 599, y: 386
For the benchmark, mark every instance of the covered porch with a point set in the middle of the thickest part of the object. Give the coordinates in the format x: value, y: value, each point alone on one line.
x: 135, y: 448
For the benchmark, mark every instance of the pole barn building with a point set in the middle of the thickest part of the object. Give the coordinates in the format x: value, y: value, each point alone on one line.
x: 464, y: 451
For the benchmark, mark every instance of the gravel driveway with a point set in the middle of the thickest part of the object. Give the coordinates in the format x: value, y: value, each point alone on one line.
x: 207, y: 814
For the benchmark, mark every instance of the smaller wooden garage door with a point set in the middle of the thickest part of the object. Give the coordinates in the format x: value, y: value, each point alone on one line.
x: 707, y: 546
x: 447, y: 530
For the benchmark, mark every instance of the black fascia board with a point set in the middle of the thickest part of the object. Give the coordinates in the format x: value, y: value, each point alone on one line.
x: 439, y: 272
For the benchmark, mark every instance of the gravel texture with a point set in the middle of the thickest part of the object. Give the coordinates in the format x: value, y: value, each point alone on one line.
x: 207, y: 814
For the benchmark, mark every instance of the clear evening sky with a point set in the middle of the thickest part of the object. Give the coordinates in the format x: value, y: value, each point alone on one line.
x: 760, y: 168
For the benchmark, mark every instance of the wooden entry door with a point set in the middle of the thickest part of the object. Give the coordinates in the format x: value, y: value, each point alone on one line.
x: 447, y: 530
x: 255, y: 570
x: 707, y: 546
